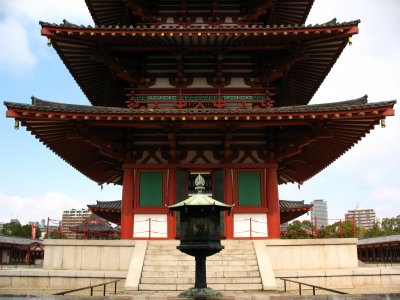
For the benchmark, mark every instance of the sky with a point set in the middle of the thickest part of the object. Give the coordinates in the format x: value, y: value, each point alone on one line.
x: 36, y: 184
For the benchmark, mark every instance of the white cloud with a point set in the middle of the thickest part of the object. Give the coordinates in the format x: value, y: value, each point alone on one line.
x: 19, y: 28
x: 28, y: 209
x: 15, y: 55
x: 385, y: 200
x: 30, y: 11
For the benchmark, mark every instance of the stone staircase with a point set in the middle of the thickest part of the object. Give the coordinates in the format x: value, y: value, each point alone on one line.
x: 167, y: 269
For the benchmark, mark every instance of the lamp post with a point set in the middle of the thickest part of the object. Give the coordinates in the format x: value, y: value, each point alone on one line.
x: 200, y: 234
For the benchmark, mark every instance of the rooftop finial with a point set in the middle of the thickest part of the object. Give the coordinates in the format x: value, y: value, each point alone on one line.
x: 199, y: 183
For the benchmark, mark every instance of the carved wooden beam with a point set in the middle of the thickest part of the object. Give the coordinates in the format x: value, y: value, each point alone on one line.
x: 172, y: 145
x: 106, y: 147
x: 281, y: 67
x: 120, y: 71
x: 295, y: 147
x: 140, y: 11
x: 259, y: 11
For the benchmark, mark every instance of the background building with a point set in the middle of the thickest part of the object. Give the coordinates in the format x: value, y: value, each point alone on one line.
x: 362, y: 217
x: 71, y: 219
x: 320, y: 211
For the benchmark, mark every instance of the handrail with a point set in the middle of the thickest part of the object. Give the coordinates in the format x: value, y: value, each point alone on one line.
x: 91, y: 288
x: 311, y: 285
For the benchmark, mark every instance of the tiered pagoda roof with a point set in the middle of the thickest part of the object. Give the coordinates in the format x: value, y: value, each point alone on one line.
x: 240, y: 72
x: 287, y: 62
x: 92, y: 139
x: 186, y: 11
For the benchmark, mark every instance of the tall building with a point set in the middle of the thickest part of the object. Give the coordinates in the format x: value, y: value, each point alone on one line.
x: 180, y: 88
x: 71, y: 219
x: 320, y: 211
x: 363, y: 217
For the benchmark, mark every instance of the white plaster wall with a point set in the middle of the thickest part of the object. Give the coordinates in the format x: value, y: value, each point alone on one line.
x: 241, y: 225
x: 318, y: 254
x: 150, y: 225
x: 89, y: 255
x: 365, y: 279
x: 47, y: 282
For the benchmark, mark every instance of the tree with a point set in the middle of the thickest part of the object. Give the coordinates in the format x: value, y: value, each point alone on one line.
x: 12, y: 229
x: 18, y: 230
x: 339, y: 229
x: 299, y: 230
x: 389, y: 226
x: 56, y: 234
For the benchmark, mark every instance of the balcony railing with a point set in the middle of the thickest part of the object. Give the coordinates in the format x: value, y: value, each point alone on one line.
x: 202, y: 99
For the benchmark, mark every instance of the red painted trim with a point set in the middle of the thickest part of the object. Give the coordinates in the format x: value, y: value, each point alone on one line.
x: 12, y: 114
x: 47, y: 29
x: 150, y: 210
x: 250, y: 209
x: 128, y: 192
x: 273, y: 214
x: 171, y: 218
x: 201, y: 167
x: 228, y: 199
x: 388, y: 112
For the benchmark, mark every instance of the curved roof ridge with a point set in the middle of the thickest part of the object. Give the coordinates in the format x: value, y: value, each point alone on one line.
x: 205, y: 25
x: 359, y: 103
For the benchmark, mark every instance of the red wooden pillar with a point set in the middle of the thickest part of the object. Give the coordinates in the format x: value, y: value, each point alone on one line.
x: 28, y: 256
x: 274, y: 229
x: 228, y: 199
x: 171, y: 219
x: 127, y: 204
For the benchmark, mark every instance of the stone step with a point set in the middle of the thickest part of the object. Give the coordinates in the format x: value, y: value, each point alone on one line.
x: 191, y: 280
x: 192, y: 268
x: 155, y: 257
x: 216, y: 286
x: 175, y: 263
x: 173, y: 248
x: 228, y: 244
x: 165, y: 268
x: 179, y: 255
x: 179, y: 274
x: 169, y: 251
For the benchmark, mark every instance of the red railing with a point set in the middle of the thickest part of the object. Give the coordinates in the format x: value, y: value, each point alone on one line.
x: 198, y: 99
x: 57, y: 223
x: 85, y: 232
x: 338, y: 228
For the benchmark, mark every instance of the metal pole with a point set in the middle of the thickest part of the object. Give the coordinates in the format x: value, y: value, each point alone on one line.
x: 104, y: 290
x: 284, y: 284
x: 299, y: 288
x: 313, y: 290
x: 251, y: 229
x: 200, y: 272
x: 115, y: 287
x: 149, y: 228
x: 91, y: 291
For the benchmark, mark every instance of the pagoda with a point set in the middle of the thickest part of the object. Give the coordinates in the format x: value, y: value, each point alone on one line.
x: 212, y: 87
